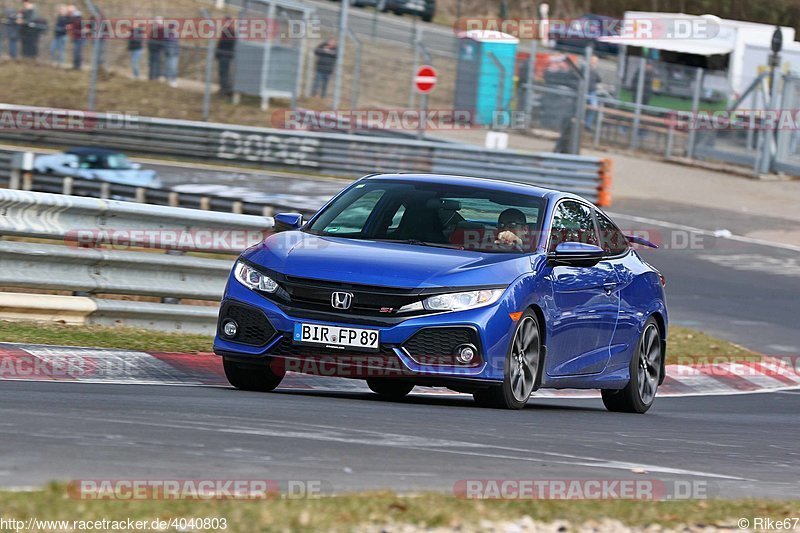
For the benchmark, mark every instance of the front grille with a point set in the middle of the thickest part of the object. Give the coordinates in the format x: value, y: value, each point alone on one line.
x: 438, y: 345
x: 253, y: 327
x: 368, y: 300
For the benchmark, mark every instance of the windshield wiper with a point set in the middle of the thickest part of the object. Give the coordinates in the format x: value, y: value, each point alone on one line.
x: 419, y: 242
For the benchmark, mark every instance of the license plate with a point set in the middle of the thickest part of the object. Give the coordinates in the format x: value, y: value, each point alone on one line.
x: 336, y: 337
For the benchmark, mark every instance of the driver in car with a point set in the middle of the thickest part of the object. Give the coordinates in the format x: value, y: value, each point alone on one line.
x: 512, y: 230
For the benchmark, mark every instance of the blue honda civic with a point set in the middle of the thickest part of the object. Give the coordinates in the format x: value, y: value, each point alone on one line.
x: 482, y: 286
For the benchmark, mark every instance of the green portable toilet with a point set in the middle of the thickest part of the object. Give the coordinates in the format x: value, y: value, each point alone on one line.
x: 485, y: 73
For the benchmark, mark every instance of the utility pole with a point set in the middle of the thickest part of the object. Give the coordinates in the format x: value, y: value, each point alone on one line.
x: 774, y: 64
x: 337, y: 87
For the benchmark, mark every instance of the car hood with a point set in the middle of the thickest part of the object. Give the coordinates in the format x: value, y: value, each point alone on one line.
x: 387, y: 264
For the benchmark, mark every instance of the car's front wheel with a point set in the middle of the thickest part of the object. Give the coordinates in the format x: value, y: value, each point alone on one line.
x: 523, y: 368
x: 392, y: 389
x: 646, y: 364
x: 260, y: 378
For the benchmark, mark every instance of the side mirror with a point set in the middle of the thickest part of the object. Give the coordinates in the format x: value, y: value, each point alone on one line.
x: 576, y: 254
x: 136, y: 166
x: 287, y: 221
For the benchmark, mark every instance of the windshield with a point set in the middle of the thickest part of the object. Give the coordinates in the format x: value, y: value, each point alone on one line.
x: 109, y: 161
x: 431, y: 214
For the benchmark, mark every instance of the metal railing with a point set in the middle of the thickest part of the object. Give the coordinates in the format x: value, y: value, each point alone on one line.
x: 123, y: 263
x: 326, y: 153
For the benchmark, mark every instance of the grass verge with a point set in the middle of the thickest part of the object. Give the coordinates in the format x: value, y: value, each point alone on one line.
x: 684, y: 344
x: 357, y: 511
x: 103, y: 337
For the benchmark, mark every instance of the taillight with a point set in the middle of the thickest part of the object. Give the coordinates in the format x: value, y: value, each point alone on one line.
x: 663, y: 279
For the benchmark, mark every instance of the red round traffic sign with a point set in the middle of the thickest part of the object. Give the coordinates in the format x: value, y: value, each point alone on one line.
x: 425, y: 79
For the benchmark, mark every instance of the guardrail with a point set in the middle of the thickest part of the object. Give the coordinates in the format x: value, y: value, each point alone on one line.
x: 103, y: 253
x: 327, y: 153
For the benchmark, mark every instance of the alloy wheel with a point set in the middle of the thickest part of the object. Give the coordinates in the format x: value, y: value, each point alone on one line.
x: 524, y: 359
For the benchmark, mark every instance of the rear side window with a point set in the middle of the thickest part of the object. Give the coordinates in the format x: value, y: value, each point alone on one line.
x: 612, y: 239
x: 572, y: 222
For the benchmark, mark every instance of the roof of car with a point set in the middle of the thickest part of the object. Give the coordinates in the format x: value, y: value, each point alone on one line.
x: 91, y: 150
x: 484, y: 183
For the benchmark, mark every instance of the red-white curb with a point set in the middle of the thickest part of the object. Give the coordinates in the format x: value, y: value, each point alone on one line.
x: 30, y: 362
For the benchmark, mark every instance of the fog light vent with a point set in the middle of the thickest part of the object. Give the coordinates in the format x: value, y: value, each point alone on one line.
x: 466, y: 353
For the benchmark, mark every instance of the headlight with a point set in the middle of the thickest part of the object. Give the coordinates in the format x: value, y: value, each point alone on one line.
x: 459, y: 301
x: 253, y: 279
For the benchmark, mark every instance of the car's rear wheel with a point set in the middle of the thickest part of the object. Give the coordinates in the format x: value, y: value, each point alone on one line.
x: 646, y: 366
x: 523, y: 368
x: 392, y: 389
x: 258, y: 378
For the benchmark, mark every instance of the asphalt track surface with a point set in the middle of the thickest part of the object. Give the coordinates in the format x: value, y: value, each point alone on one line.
x: 732, y: 446
x: 739, y: 445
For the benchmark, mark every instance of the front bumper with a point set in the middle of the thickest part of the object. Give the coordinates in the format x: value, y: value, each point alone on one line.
x: 402, y: 343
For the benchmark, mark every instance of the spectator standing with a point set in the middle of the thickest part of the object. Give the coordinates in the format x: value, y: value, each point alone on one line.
x: 226, y: 49
x: 155, y: 49
x: 136, y: 49
x: 172, y: 52
x: 29, y: 30
x: 326, y: 61
x: 13, y: 24
x: 59, y: 43
x: 76, y: 33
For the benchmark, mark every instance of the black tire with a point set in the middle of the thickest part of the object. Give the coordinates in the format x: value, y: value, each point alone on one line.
x: 427, y: 17
x: 260, y: 378
x: 640, y: 392
x: 393, y: 389
x: 513, y: 394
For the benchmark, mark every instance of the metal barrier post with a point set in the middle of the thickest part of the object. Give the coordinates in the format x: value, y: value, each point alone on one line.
x: 637, y: 117
x: 580, y: 104
x: 337, y: 87
x: 265, y: 63
x: 698, y: 87
x: 209, y: 71
x: 356, y: 81
x: 417, y: 36
x: 96, y: 50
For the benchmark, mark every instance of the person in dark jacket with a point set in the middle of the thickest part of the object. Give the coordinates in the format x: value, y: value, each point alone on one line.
x: 226, y: 48
x: 59, y: 43
x: 13, y: 23
x: 155, y: 49
x: 326, y: 62
x: 136, y: 49
x: 29, y: 30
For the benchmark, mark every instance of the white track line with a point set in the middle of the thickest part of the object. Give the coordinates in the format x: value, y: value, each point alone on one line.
x: 706, y: 232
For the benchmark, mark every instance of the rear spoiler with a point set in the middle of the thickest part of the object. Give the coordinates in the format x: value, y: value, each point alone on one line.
x: 638, y: 240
